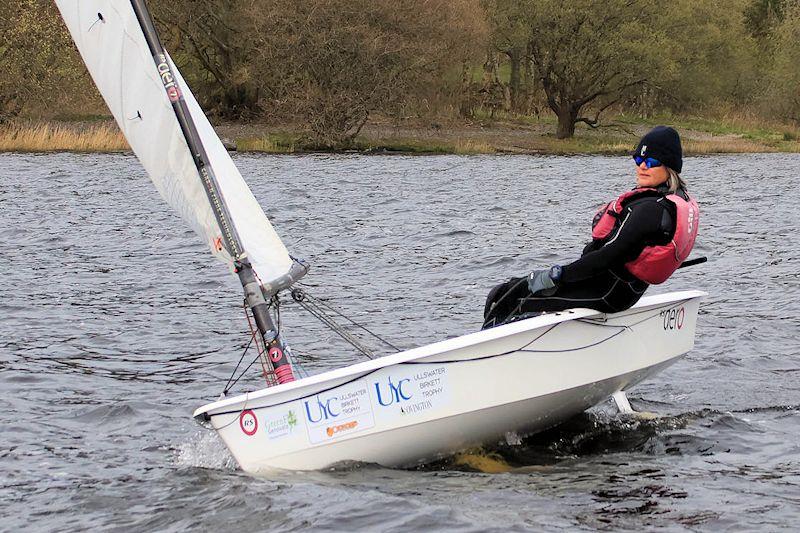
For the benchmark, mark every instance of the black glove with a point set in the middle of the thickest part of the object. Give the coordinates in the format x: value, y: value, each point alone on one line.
x: 544, y: 282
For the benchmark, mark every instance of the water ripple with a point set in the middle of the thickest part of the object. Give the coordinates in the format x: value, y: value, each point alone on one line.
x: 115, y: 324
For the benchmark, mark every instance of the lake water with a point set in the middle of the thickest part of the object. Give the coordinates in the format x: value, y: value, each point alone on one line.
x: 115, y: 324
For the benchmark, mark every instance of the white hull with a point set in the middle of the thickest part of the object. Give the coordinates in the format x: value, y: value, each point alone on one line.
x: 420, y: 404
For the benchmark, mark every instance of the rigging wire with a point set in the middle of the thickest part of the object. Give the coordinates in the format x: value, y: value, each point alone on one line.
x: 334, y: 310
x: 275, y: 302
x: 314, y: 309
x: 266, y: 365
x: 320, y: 310
x: 318, y: 307
x: 256, y: 358
x: 253, y: 336
x: 228, y: 384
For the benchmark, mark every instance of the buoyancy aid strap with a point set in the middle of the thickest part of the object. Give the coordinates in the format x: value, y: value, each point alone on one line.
x: 657, y: 263
x: 607, y: 219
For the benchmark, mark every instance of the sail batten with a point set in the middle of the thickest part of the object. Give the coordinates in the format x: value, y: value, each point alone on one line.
x: 128, y: 72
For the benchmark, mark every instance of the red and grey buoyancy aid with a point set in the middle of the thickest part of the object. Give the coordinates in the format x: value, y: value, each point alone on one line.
x: 656, y: 263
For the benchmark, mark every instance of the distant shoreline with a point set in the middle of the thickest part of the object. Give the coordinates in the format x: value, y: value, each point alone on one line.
x: 700, y: 136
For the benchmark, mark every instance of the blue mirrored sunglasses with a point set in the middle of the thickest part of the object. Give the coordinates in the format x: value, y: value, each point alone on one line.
x: 649, y: 161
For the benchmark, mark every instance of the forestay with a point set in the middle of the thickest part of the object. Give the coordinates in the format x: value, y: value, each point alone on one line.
x: 114, y: 49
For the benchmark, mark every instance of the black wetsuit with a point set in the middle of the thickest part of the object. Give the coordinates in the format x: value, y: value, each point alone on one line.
x: 598, y: 280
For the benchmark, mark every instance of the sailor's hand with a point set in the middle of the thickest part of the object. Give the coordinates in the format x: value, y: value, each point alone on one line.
x: 542, y: 282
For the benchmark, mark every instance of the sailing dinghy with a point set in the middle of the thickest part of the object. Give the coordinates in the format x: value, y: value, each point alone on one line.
x: 397, y: 410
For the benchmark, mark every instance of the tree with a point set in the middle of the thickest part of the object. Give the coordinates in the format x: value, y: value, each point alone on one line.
x: 714, y: 58
x: 37, y: 58
x: 213, y: 42
x: 592, y: 54
x: 509, y: 35
x: 762, y: 16
x: 333, y: 62
x: 782, y: 91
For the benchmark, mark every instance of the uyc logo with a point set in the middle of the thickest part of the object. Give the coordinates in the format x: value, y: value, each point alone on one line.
x: 394, y: 394
x: 322, y: 410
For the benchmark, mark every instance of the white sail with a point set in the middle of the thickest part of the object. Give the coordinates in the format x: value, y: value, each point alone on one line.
x: 113, y: 46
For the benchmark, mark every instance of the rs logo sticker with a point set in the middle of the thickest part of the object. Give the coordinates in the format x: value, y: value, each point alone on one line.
x: 248, y: 422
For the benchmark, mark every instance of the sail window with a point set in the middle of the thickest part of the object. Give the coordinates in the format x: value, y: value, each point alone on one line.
x: 100, y: 18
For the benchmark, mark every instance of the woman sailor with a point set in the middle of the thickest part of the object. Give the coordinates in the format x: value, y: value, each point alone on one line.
x: 638, y: 239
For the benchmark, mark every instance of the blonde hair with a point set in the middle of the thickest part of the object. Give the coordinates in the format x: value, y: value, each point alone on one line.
x: 674, y: 180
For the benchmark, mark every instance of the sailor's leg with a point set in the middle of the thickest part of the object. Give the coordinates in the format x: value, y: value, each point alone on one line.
x: 491, y: 298
x: 585, y: 293
x: 604, y: 292
x: 502, y: 300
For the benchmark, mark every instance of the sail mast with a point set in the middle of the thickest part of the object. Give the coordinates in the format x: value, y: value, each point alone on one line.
x: 230, y: 238
x: 274, y: 345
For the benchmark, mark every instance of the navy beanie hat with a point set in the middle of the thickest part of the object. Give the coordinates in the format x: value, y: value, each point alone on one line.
x: 662, y: 143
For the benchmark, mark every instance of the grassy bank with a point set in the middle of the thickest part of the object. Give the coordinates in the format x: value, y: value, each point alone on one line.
x: 508, y: 135
x: 61, y: 137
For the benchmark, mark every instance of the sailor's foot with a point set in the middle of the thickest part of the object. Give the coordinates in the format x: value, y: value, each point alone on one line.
x: 645, y: 415
x: 480, y: 460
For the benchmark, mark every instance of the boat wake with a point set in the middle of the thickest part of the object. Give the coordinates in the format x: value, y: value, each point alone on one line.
x: 204, y: 450
x: 591, y: 434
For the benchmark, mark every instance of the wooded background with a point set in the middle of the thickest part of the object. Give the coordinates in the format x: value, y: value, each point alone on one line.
x: 327, y: 66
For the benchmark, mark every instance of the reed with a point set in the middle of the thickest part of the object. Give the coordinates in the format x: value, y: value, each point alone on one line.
x: 727, y: 145
x: 581, y: 145
x: 273, y: 144
x: 55, y: 137
x: 408, y: 145
x: 713, y: 138
x: 473, y: 147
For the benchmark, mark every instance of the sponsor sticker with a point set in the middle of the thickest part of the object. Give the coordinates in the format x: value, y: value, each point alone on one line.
x: 280, y: 425
x: 339, y: 412
x: 412, y: 393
